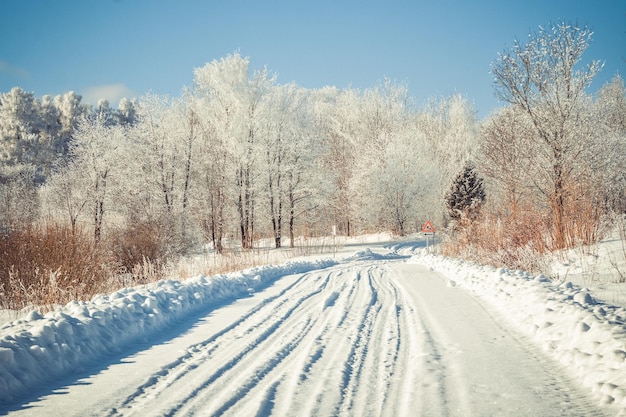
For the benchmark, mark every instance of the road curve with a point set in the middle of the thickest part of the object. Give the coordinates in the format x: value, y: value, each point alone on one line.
x: 363, y: 338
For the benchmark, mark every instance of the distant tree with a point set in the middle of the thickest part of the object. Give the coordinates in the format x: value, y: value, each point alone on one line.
x: 21, y: 153
x: 212, y: 172
x: 402, y: 185
x: 450, y: 124
x: 290, y: 152
x: 239, y: 94
x: 337, y: 115
x: 50, y: 125
x: 450, y: 128
x: 104, y: 112
x: 65, y: 195
x: 158, y: 164
x: 275, y: 134
x: 19, y: 202
x: 127, y: 112
x: 508, y: 156
x: 466, y: 197
x: 71, y: 111
x: 19, y: 120
x: 95, y: 169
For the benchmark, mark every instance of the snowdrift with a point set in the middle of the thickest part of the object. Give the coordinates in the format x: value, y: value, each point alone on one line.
x: 586, y: 336
x: 39, y: 348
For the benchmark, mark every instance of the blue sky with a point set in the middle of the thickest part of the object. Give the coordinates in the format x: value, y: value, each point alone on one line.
x: 115, y: 48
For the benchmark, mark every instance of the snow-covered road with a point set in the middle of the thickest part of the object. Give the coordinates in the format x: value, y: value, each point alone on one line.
x: 375, y: 336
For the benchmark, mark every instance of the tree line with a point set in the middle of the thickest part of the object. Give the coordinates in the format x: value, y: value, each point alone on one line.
x: 238, y: 157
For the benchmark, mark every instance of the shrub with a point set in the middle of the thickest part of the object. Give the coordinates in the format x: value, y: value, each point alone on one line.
x: 138, y: 244
x: 516, y: 240
x: 50, y: 264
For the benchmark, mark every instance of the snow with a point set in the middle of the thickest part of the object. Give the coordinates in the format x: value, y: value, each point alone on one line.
x: 585, y: 335
x: 38, y: 348
x: 601, y: 268
x: 425, y: 317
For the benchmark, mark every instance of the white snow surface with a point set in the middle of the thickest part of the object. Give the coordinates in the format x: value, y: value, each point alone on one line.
x: 38, y: 348
x: 587, y: 336
x: 390, y: 330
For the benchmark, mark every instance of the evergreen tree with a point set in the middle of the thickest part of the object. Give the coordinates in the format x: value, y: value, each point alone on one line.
x: 466, y: 196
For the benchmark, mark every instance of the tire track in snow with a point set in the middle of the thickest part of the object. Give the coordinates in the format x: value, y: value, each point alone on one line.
x: 479, y: 367
x: 357, y: 339
x: 363, y: 373
x: 298, y: 355
x: 353, y: 366
x: 337, y: 354
x: 367, y: 337
x: 195, y: 355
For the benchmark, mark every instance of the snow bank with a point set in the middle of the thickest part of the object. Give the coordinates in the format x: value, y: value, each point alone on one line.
x: 588, y: 337
x: 368, y: 255
x: 38, y: 348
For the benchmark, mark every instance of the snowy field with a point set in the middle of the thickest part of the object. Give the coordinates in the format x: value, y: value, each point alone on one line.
x: 378, y: 329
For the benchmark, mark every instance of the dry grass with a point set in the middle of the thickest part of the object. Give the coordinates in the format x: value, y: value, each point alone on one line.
x: 516, y: 242
x: 520, y: 238
x: 235, y: 259
x: 51, y: 264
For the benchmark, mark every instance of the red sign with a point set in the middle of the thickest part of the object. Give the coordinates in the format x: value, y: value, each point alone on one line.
x: 428, y: 228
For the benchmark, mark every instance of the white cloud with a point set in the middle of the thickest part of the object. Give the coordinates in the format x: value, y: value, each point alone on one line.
x: 14, y: 71
x: 113, y: 93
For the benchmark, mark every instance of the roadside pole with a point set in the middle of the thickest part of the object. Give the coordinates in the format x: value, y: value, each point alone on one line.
x: 428, y: 230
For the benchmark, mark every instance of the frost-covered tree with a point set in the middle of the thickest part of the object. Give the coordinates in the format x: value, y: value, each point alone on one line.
x: 19, y: 202
x: 21, y: 157
x: 212, y: 172
x: 50, y: 125
x: 290, y: 182
x: 541, y: 77
x: 307, y: 185
x: 450, y: 128
x: 337, y: 114
x: 127, y: 112
x: 158, y: 164
x: 65, y: 196
x: 19, y: 142
x: 392, y: 167
x: 465, y: 197
x: 402, y: 183
x: 275, y: 133
x: 239, y: 94
x: 610, y: 123
x: 71, y: 111
x: 96, y: 152
x: 507, y: 157
x: 104, y: 112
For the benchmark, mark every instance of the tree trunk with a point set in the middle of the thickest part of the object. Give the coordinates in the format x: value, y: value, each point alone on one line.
x: 100, y: 192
